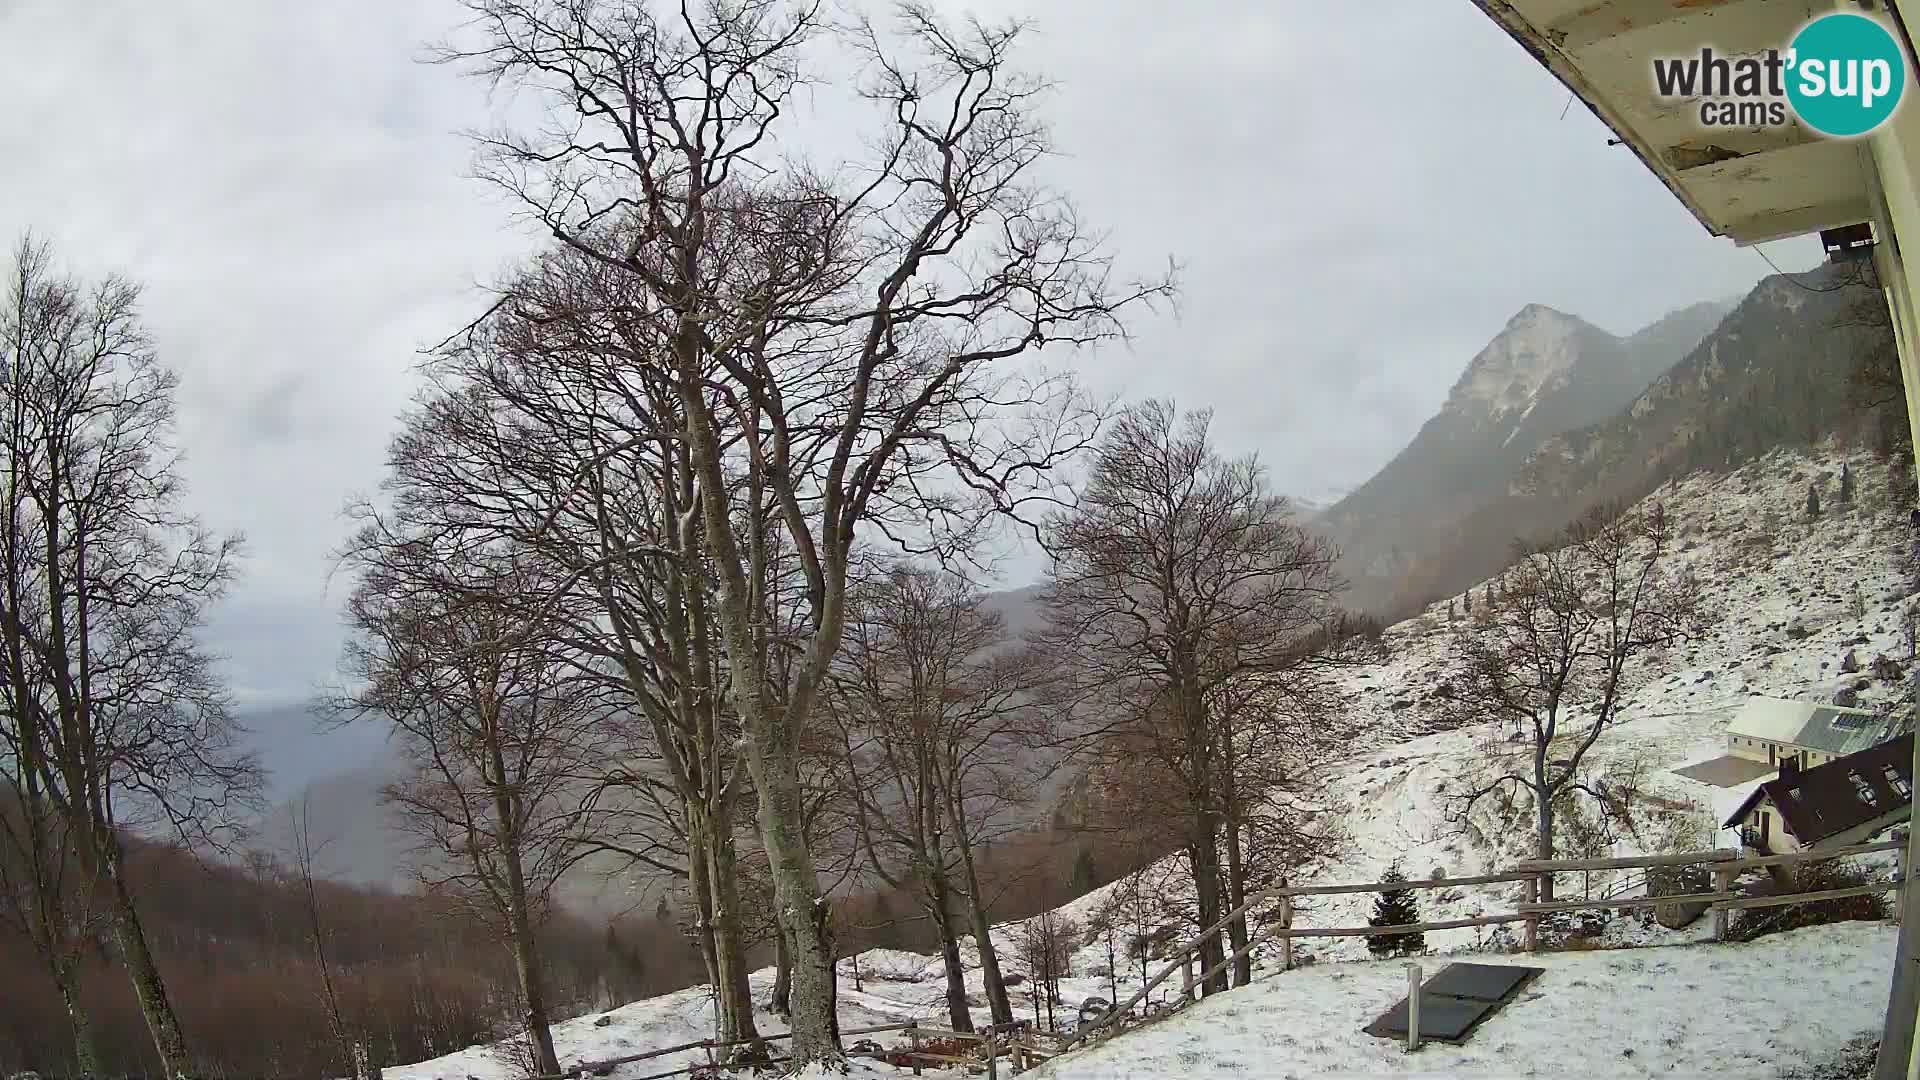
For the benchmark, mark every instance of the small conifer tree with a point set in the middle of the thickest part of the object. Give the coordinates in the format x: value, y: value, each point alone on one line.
x: 1846, y: 485
x: 1813, y: 501
x: 1395, y: 907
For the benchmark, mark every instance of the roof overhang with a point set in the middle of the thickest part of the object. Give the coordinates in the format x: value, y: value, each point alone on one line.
x: 1749, y: 184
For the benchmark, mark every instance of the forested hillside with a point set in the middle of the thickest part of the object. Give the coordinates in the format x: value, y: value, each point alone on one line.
x: 1801, y: 357
x: 413, y: 975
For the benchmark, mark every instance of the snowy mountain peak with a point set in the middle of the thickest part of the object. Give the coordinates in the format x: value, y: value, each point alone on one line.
x: 1534, y: 314
x: 1533, y: 355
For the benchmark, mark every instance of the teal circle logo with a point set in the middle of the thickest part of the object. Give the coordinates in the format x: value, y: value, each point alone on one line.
x: 1845, y: 76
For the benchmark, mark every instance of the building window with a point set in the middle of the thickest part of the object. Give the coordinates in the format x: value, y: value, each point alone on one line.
x: 1863, y: 789
x: 1899, y: 782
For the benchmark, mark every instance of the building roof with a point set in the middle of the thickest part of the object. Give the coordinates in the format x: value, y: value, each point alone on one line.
x: 1829, y: 729
x: 1750, y: 184
x: 1843, y: 794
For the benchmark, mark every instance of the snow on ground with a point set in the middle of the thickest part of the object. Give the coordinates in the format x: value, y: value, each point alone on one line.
x: 1748, y: 1011
x: 1789, y: 598
x: 669, y: 1020
x: 1781, y: 592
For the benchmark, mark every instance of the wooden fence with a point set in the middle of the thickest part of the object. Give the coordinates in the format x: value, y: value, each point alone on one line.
x: 1726, y: 866
x: 1024, y: 1046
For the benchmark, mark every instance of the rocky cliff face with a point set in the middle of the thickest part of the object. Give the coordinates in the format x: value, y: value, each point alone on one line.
x: 1545, y: 373
x: 1774, y: 373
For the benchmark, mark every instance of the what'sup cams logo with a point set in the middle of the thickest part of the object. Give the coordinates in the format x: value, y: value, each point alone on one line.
x: 1842, y: 75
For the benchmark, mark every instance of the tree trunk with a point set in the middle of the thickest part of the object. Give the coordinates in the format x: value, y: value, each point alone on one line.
x: 335, y: 1024
x: 700, y: 888
x: 781, y: 1002
x: 941, y: 907
x: 533, y: 993
x: 1000, y: 1006
x: 1543, y: 841
x: 162, y: 1024
x: 796, y: 893
x: 730, y: 954
x: 1204, y: 854
x: 86, y: 1059
x: 833, y: 977
x: 526, y: 962
x: 1237, y: 895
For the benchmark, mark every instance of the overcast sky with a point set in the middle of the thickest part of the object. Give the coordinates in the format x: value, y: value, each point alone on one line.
x: 1362, y: 195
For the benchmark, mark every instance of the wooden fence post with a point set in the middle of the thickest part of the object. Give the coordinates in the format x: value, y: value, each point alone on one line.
x: 1531, y: 933
x: 993, y: 1050
x: 1722, y: 882
x: 1286, y: 939
x: 913, y: 1042
x: 1186, y: 977
x: 1413, y: 1007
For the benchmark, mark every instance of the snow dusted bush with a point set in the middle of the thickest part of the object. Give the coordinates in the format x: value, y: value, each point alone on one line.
x: 1752, y: 923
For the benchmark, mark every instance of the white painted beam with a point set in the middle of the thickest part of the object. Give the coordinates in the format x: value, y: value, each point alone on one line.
x: 1613, y: 18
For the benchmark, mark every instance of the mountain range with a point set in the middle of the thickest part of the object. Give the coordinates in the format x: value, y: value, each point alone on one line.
x: 1552, y: 416
x: 1546, y: 372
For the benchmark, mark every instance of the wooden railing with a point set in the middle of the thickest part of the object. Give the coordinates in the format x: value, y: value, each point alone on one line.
x: 1024, y: 1046
x: 1021, y: 1045
x: 1726, y: 864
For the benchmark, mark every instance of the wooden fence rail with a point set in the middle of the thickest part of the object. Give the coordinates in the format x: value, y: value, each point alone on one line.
x: 1725, y: 864
x: 1023, y: 1046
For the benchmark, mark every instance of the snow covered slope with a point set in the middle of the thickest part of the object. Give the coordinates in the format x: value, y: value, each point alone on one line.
x: 1699, y: 1012
x: 669, y: 1020
x: 1790, y: 597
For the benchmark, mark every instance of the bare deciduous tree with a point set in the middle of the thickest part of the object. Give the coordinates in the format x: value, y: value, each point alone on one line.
x: 1550, y: 659
x: 113, y: 708
x: 934, y: 709
x: 836, y: 343
x: 306, y: 855
x: 494, y: 732
x: 44, y: 895
x: 1193, y: 615
x: 1047, y: 943
x: 548, y: 427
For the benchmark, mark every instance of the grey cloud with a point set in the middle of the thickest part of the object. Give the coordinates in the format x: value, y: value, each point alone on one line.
x: 1362, y: 195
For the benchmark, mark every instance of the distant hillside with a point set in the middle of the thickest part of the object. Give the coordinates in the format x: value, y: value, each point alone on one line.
x: 299, y: 746
x: 1545, y: 373
x: 1775, y: 373
x: 415, y: 976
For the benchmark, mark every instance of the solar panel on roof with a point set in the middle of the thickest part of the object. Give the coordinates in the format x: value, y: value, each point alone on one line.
x: 1850, y: 721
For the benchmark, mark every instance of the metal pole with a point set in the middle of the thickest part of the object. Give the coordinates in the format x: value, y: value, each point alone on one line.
x: 1531, y: 938
x: 1722, y: 882
x: 1413, y: 1007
